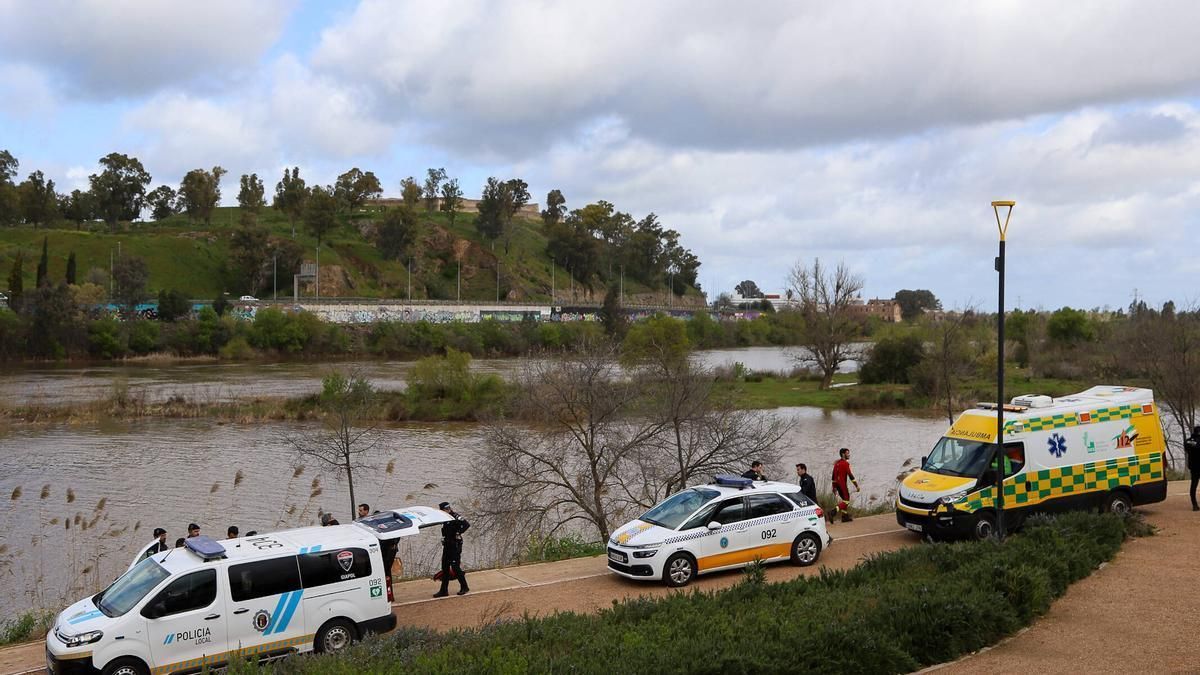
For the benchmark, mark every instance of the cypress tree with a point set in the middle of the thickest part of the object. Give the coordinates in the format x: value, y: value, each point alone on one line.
x: 16, y: 285
x: 71, y: 269
x: 43, y: 268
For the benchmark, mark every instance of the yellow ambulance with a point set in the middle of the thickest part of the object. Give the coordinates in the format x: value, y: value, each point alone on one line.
x: 1101, y: 448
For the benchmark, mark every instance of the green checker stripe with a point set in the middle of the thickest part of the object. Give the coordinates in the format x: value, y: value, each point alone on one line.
x: 1031, y: 488
x: 1063, y: 420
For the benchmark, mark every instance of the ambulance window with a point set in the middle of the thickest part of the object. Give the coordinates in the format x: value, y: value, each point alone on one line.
x: 330, y: 567
x: 189, y: 592
x: 263, y: 578
x: 731, y: 511
x: 1015, y: 452
x: 767, y: 505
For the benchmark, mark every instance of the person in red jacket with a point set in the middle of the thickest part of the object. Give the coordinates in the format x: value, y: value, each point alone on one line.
x: 841, y: 489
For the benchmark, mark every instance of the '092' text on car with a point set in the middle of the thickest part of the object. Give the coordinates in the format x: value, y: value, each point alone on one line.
x: 723, y: 525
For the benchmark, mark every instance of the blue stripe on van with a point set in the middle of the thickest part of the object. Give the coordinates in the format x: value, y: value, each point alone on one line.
x: 84, y: 617
x: 275, y: 614
x: 315, y: 549
x: 293, y: 602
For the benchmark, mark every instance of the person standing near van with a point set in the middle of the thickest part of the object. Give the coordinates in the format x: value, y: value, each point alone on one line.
x: 1191, y: 446
x: 755, y: 472
x: 364, y: 510
x: 158, y: 546
x: 193, y: 530
x: 808, y: 486
x: 452, y: 544
x: 841, y: 489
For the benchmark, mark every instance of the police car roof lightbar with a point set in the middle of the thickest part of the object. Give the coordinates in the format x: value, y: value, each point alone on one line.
x: 205, y: 547
x: 733, y: 481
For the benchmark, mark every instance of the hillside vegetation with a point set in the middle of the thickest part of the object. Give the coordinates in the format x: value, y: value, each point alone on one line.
x: 196, y: 259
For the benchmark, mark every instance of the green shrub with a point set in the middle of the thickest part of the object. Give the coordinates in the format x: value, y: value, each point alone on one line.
x: 891, y: 359
x: 143, y: 337
x: 545, y: 549
x: 237, y: 349
x: 895, y: 612
x: 105, y: 339
x: 25, y: 627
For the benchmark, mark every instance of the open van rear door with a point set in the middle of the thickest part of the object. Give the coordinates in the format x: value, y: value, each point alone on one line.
x: 388, y: 525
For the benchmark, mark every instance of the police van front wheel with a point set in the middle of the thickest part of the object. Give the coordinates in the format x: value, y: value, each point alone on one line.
x: 334, y: 636
x: 679, y: 570
x: 126, y: 666
x: 1118, y: 503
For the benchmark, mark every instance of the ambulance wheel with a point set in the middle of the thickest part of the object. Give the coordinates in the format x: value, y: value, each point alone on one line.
x: 126, y: 666
x: 1118, y: 503
x: 335, y: 636
x: 806, y: 549
x: 679, y: 570
x: 985, y: 527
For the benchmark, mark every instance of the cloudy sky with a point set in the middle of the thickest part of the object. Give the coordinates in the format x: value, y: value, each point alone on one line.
x: 871, y: 132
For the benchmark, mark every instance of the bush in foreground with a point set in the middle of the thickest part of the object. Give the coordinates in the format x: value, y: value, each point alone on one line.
x: 896, y: 612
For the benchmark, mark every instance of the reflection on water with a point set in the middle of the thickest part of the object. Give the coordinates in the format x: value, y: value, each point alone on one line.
x: 90, y: 495
x: 211, y: 382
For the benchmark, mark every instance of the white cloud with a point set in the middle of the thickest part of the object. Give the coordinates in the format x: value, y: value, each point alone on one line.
x: 510, y: 76
x: 104, y: 49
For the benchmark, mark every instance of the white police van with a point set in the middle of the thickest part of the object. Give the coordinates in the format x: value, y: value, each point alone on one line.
x: 726, y: 524
x: 266, y: 596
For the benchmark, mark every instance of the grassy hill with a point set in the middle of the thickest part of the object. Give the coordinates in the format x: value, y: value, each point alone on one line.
x: 193, y: 258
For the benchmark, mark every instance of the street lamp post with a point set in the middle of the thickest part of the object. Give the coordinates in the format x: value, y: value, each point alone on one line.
x: 996, y: 206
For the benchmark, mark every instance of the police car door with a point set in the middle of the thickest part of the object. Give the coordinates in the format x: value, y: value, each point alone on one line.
x: 186, y: 622
x: 770, y: 530
x: 724, y: 547
x: 267, y: 617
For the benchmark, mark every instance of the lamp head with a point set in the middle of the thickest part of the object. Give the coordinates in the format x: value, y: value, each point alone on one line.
x: 998, y: 204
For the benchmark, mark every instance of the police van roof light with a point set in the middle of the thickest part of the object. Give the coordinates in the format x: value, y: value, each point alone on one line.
x: 205, y: 547
x: 733, y: 481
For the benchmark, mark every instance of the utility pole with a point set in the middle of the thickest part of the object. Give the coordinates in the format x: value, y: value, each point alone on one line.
x: 410, y: 279
x: 458, y: 293
x: 996, y: 206
x: 275, y: 277
x: 551, y: 281
x: 622, y: 303
x: 497, y: 281
x: 318, y: 271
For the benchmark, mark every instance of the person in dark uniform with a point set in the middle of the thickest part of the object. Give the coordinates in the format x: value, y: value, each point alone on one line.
x: 1192, y: 447
x: 452, y: 544
x: 755, y: 472
x: 232, y: 532
x: 160, y: 545
x: 808, y: 486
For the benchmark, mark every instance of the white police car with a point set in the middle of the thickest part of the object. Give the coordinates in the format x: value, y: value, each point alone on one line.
x: 208, y: 603
x: 729, y: 523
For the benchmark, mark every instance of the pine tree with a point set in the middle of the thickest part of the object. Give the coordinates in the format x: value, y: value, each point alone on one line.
x: 43, y: 268
x: 71, y: 269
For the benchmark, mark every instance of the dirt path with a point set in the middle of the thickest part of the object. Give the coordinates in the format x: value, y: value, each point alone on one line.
x: 1141, y: 612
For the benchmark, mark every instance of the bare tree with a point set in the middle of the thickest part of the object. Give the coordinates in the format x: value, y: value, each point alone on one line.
x: 344, y: 441
x: 569, y: 469
x: 1166, y: 348
x: 829, y: 326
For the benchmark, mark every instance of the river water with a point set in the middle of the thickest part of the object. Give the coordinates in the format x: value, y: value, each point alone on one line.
x: 80, y: 499
x: 211, y: 382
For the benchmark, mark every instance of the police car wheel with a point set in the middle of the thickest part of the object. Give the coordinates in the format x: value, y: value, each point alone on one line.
x: 126, y: 666
x: 1118, y: 503
x: 679, y: 570
x: 334, y: 636
x: 806, y: 549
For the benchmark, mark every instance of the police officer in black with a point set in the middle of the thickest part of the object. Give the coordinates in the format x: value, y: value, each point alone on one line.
x: 452, y: 543
x: 1192, y: 447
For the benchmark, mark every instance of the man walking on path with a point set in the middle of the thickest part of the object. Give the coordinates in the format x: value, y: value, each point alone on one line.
x: 1191, y: 446
x: 808, y: 486
x: 842, y: 472
x: 452, y: 544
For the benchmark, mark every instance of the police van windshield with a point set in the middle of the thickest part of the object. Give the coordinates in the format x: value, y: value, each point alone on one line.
x: 956, y: 457
x: 127, y: 591
x: 671, y: 512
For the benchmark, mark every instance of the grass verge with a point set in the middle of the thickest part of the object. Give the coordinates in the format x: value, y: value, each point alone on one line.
x: 896, y: 612
x: 25, y: 627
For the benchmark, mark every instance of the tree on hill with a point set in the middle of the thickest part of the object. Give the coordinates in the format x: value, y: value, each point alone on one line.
x: 572, y: 246
x: 451, y: 199
x: 497, y: 207
x: 320, y: 213
x: 130, y: 275
x: 71, y: 269
x: 290, y: 195
x: 200, y: 192
x: 16, y: 281
x: 829, y: 327
x: 162, y: 201
x: 39, y: 202
x: 433, y: 187
x: 120, y: 189
x: 353, y: 188
x: 748, y: 289
x: 247, y: 255
x: 410, y: 192
x: 78, y: 207
x: 43, y: 268
x: 252, y: 195
x: 397, y: 235
x: 555, y: 208
x: 915, y: 303
x: 10, y: 202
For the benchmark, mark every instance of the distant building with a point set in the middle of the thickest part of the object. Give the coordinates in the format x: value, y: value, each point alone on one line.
x: 887, y: 310
x: 464, y: 206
